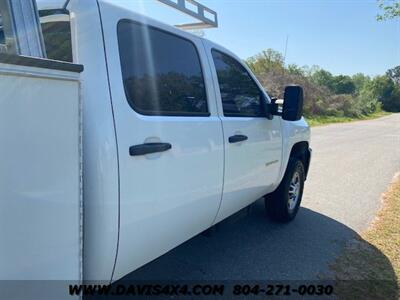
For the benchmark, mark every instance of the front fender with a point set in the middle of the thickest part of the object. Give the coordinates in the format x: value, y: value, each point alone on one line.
x: 293, y: 132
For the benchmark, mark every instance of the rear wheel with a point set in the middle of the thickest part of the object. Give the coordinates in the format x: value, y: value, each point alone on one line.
x: 283, y: 204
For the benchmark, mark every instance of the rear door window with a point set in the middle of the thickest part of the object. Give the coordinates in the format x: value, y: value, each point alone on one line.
x: 161, y: 72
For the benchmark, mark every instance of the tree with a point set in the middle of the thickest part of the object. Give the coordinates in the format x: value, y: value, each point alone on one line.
x: 390, y: 8
x: 295, y: 70
x: 360, y: 80
x: 323, y: 78
x: 342, y: 84
x: 266, y: 61
x: 394, y: 74
x: 386, y: 91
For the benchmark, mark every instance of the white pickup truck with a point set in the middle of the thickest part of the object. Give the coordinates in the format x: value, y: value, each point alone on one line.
x: 178, y: 134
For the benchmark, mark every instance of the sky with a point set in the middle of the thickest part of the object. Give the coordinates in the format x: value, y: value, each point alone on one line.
x: 341, y: 36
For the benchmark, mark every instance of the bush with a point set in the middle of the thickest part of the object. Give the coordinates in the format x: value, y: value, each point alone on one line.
x: 324, y: 93
x: 386, y: 91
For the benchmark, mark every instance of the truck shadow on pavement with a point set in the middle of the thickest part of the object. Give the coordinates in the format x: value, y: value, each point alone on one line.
x: 247, y: 246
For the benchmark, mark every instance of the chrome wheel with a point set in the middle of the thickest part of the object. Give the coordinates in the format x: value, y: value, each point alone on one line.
x: 283, y: 204
x: 294, y: 191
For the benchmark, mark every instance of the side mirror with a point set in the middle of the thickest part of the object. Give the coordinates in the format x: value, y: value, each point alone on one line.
x: 293, y: 103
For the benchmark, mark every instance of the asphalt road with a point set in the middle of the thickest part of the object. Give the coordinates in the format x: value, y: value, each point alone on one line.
x: 352, y: 165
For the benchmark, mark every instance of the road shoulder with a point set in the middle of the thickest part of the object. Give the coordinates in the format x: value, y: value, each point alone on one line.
x: 369, y: 266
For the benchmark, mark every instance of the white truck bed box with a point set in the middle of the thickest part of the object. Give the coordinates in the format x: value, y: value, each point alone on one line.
x: 40, y: 171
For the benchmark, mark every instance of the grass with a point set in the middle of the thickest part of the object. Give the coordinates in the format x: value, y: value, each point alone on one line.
x: 369, y: 267
x: 324, y: 120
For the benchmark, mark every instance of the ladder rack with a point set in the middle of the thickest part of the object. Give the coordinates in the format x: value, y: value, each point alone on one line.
x: 208, y: 18
x: 21, y: 28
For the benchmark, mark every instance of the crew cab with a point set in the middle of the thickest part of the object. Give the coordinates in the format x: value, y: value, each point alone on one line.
x: 178, y: 134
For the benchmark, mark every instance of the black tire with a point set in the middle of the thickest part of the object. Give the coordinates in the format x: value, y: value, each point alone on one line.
x: 282, y: 206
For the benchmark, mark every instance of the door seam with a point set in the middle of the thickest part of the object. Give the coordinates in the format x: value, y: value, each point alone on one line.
x: 116, y: 137
x: 222, y: 128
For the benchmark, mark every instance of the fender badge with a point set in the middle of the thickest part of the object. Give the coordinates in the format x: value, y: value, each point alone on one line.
x: 271, y: 163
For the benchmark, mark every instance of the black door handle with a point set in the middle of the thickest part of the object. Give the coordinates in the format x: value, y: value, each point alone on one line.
x: 237, y: 138
x: 148, y: 148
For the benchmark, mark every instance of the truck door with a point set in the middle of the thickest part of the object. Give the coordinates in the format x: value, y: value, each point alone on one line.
x: 169, y: 137
x: 253, y: 143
